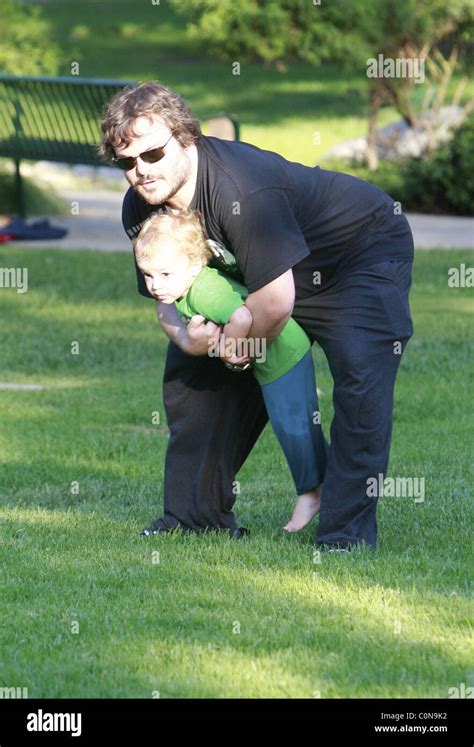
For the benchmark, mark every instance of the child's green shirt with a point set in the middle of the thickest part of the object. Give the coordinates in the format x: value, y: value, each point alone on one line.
x: 216, y: 296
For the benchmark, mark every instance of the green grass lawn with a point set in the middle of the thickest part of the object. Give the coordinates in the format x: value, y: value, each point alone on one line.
x: 92, y: 610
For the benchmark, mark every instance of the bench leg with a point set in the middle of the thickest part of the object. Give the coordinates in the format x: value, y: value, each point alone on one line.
x: 19, y: 190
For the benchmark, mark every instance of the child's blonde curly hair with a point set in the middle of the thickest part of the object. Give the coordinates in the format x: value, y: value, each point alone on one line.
x: 184, y: 230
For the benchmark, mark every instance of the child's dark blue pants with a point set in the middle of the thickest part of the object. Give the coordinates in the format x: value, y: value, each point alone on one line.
x: 293, y: 410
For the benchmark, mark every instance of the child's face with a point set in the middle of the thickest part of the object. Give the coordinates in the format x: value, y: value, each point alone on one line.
x: 169, y: 273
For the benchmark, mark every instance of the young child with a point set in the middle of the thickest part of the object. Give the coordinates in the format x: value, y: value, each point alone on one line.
x: 172, y: 252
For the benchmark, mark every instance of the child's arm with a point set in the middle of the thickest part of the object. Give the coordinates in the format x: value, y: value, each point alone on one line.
x: 194, y: 338
x: 235, y: 331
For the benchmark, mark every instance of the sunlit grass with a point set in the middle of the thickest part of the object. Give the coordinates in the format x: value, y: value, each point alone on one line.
x: 202, y: 616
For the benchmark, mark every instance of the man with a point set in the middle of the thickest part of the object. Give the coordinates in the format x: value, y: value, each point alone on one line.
x: 330, y: 250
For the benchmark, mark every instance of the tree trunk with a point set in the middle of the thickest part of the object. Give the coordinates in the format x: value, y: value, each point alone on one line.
x: 401, y: 96
x: 376, y: 101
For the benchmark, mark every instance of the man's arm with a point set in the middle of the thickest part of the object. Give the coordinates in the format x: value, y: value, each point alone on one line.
x: 194, y: 338
x: 271, y: 306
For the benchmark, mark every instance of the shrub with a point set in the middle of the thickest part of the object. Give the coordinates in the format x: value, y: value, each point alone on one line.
x: 442, y: 182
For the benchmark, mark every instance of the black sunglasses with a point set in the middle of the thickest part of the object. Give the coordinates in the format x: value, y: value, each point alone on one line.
x: 149, y: 156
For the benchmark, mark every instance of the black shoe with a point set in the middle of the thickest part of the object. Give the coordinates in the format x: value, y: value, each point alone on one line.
x: 336, y: 547
x: 239, y: 533
x: 343, y: 547
x: 152, y: 531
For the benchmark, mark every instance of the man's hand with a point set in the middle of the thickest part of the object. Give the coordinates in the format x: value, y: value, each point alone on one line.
x: 193, y: 339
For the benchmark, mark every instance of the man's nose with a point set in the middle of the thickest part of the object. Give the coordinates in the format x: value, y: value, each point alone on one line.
x: 141, y: 167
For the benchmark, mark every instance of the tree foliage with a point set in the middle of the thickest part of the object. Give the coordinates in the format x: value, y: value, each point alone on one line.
x: 349, y: 32
x: 26, y: 47
x: 346, y: 31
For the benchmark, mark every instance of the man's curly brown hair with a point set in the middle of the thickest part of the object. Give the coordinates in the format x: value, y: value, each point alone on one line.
x: 145, y: 100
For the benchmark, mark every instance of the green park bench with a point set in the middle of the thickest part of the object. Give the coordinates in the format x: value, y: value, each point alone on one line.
x: 57, y: 119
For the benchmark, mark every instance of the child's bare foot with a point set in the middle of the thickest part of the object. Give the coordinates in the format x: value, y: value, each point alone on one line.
x: 307, y: 506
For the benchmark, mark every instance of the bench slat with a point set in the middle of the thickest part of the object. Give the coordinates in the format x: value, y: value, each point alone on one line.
x: 58, y: 119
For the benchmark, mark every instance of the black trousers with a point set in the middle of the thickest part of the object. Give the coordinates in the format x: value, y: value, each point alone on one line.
x: 362, y: 322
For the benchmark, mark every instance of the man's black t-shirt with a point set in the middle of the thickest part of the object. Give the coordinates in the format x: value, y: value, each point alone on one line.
x: 273, y: 215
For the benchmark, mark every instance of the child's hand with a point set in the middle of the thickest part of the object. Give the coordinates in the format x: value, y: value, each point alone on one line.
x: 201, y: 335
x: 234, y: 348
x: 231, y: 356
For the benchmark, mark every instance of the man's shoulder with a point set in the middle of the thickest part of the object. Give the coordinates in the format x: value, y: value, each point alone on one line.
x: 243, y: 166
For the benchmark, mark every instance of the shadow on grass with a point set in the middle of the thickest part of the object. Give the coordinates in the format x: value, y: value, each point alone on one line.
x: 171, y: 626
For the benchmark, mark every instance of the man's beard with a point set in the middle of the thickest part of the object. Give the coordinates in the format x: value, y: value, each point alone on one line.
x: 163, y: 190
